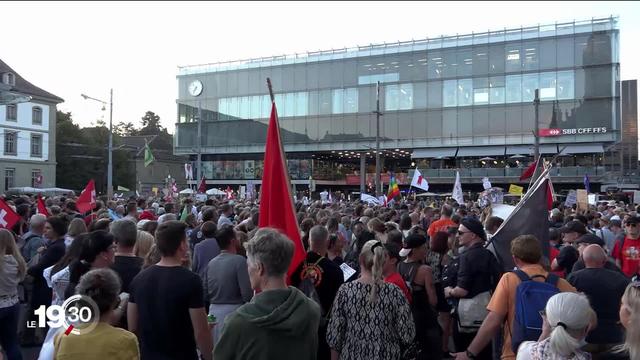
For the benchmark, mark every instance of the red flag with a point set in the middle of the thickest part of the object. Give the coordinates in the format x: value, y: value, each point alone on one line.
x: 528, y: 172
x: 276, y: 204
x: 87, y: 199
x: 550, y: 196
x: 202, y: 188
x: 8, y: 217
x: 41, y: 208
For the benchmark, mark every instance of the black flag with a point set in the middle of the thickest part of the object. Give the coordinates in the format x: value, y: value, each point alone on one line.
x: 531, y: 216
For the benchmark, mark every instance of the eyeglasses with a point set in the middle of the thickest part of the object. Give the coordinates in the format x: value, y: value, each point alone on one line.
x: 460, y: 233
x: 632, y: 225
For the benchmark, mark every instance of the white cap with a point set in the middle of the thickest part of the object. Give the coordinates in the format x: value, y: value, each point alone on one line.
x: 405, y: 252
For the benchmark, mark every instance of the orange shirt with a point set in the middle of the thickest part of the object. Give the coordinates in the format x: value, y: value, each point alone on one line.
x: 503, y: 301
x: 440, y: 225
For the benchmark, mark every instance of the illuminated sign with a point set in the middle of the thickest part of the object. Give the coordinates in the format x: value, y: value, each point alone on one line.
x: 577, y: 131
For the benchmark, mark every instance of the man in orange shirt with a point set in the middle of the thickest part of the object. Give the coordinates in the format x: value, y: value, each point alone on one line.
x: 527, y: 253
x: 443, y: 223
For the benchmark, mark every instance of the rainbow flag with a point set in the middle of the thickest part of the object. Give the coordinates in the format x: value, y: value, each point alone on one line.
x: 394, y: 190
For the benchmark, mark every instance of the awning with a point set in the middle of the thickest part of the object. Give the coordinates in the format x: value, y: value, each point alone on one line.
x: 582, y: 149
x: 433, y: 153
x: 481, y: 151
x: 519, y: 149
x: 546, y: 149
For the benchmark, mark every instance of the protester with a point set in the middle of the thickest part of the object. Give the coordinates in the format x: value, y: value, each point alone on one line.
x: 225, y: 215
x: 527, y: 253
x: 478, y: 274
x: 567, y: 320
x: 144, y: 242
x: 34, y: 239
x: 336, y: 247
x: 209, y: 214
x: 12, y: 271
x: 126, y: 264
x: 98, y: 252
x: 604, y: 288
x: 226, y: 280
x: 568, y: 255
x: 166, y: 309
x: 280, y: 322
x: 626, y: 251
x: 370, y: 319
x: 208, y: 248
x: 325, y: 276
x: 390, y: 271
x: 104, y: 341
x: 419, y: 278
x: 443, y: 223
x: 150, y: 227
x: 437, y: 259
x: 76, y: 227
x: 630, y: 320
x: 582, y: 243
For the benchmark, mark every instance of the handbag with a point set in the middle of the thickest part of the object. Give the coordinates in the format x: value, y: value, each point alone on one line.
x: 471, y: 312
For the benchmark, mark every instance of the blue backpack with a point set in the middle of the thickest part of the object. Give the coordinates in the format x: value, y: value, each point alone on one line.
x: 531, y: 298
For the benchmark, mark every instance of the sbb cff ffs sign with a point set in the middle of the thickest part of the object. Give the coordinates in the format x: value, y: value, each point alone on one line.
x: 576, y: 131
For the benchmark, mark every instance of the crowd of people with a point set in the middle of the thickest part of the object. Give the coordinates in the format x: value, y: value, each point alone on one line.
x: 415, y: 280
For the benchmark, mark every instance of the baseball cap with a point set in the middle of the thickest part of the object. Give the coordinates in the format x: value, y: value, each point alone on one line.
x: 411, y: 242
x: 590, y: 239
x: 632, y: 220
x: 574, y: 226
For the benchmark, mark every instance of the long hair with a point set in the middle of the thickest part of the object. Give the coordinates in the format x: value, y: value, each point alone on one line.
x: 8, y: 247
x: 99, y: 241
x: 569, y: 315
x: 144, y: 241
x: 631, y: 297
x: 73, y: 253
x: 372, y: 259
x: 76, y: 227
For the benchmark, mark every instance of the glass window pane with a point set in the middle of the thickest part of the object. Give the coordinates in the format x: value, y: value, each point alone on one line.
x: 279, y: 99
x: 564, y: 52
x: 313, y: 103
x: 233, y: 107
x: 529, y: 86
x: 406, y: 96
x: 480, y: 60
x: 266, y: 106
x: 391, y: 97
x: 302, y: 103
x: 530, y: 53
x: 420, y: 95
x: 547, y: 54
x: 435, y: 68
x: 434, y: 94
x: 325, y: 102
x: 496, y: 59
x: 565, y: 85
x: 255, y: 107
x: 480, y: 91
x: 450, y: 64
x: 290, y: 103
x: 449, y: 93
x: 244, y: 107
x: 465, y: 88
x: 496, y: 90
x: 338, y: 101
x: 547, y: 86
x: 351, y: 100
x: 514, y: 88
x: 465, y: 63
x: 513, y: 57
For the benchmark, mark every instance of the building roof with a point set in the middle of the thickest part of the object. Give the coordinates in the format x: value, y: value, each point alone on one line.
x: 25, y: 87
x: 136, y: 144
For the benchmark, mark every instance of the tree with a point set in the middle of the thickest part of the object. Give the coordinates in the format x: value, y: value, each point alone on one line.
x: 151, y: 121
x: 125, y: 129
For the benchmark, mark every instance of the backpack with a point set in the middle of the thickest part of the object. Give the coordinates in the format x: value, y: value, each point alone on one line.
x: 531, y: 298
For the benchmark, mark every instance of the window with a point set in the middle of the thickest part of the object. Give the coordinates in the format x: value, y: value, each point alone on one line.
x: 9, y: 178
x: 12, y: 113
x: 529, y: 86
x: 399, y: 97
x: 449, y: 93
x: 10, y: 139
x: 36, y: 115
x: 374, y: 78
x: 480, y: 91
x: 9, y: 79
x: 514, y: 88
x: 496, y: 90
x: 547, y: 85
x: 302, y: 104
x: 350, y: 100
x: 36, y: 179
x: 512, y: 53
x: 36, y: 145
x: 465, y: 88
x: 337, y: 97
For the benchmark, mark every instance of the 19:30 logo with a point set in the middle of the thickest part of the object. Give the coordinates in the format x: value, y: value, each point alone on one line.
x: 77, y: 315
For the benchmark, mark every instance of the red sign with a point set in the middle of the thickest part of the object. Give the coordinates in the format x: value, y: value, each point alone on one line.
x: 549, y: 132
x: 575, y: 131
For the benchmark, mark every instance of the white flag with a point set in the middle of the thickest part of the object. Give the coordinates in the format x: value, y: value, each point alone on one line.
x: 418, y: 181
x: 369, y: 199
x: 456, y: 194
x: 188, y: 172
x: 486, y: 183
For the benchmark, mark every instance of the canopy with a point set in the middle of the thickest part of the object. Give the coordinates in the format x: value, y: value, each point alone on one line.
x: 214, y: 191
x: 26, y: 190
x: 186, y: 191
x: 472, y: 151
x: 433, y: 153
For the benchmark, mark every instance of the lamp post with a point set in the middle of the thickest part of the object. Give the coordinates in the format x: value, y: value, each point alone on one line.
x: 110, y: 163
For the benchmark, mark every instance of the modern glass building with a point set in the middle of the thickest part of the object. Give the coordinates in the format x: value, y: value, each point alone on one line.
x: 463, y: 102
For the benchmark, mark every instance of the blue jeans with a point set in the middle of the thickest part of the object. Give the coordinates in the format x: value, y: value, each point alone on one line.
x: 9, y: 331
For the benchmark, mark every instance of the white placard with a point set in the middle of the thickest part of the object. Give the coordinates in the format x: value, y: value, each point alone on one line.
x: 347, y: 270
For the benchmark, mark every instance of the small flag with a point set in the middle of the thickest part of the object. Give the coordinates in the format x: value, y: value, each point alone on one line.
x: 419, y: 181
x: 185, y: 213
x: 515, y: 189
x: 87, y: 199
x: 394, y: 190
x: 42, y: 209
x: 148, y: 156
x: 8, y: 217
x: 456, y: 194
x: 587, y: 185
x: 530, y: 170
x: 202, y: 188
x: 122, y: 188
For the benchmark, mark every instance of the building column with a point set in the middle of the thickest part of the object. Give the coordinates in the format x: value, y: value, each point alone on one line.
x: 363, y: 171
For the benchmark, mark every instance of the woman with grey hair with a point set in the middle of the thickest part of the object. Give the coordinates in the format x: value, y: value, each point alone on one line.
x: 104, y: 341
x: 567, y: 319
x: 280, y: 322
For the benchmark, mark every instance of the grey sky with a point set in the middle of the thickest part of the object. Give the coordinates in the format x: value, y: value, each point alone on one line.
x: 69, y: 48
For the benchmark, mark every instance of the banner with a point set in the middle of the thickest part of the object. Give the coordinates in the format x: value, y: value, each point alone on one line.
x: 456, y: 194
x: 583, y: 199
x: 572, y: 198
x: 486, y: 184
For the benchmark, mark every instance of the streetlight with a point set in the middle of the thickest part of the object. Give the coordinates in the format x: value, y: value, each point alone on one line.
x: 110, y: 164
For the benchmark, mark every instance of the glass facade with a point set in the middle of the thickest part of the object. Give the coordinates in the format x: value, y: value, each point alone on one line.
x: 464, y: 90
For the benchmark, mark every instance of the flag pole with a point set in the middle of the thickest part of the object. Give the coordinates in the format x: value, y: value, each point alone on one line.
x: 270, y: 90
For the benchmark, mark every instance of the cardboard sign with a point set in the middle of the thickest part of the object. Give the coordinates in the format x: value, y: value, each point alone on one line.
x: 515, y: 189
x: 583, y: 199
x: 572, y: 198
